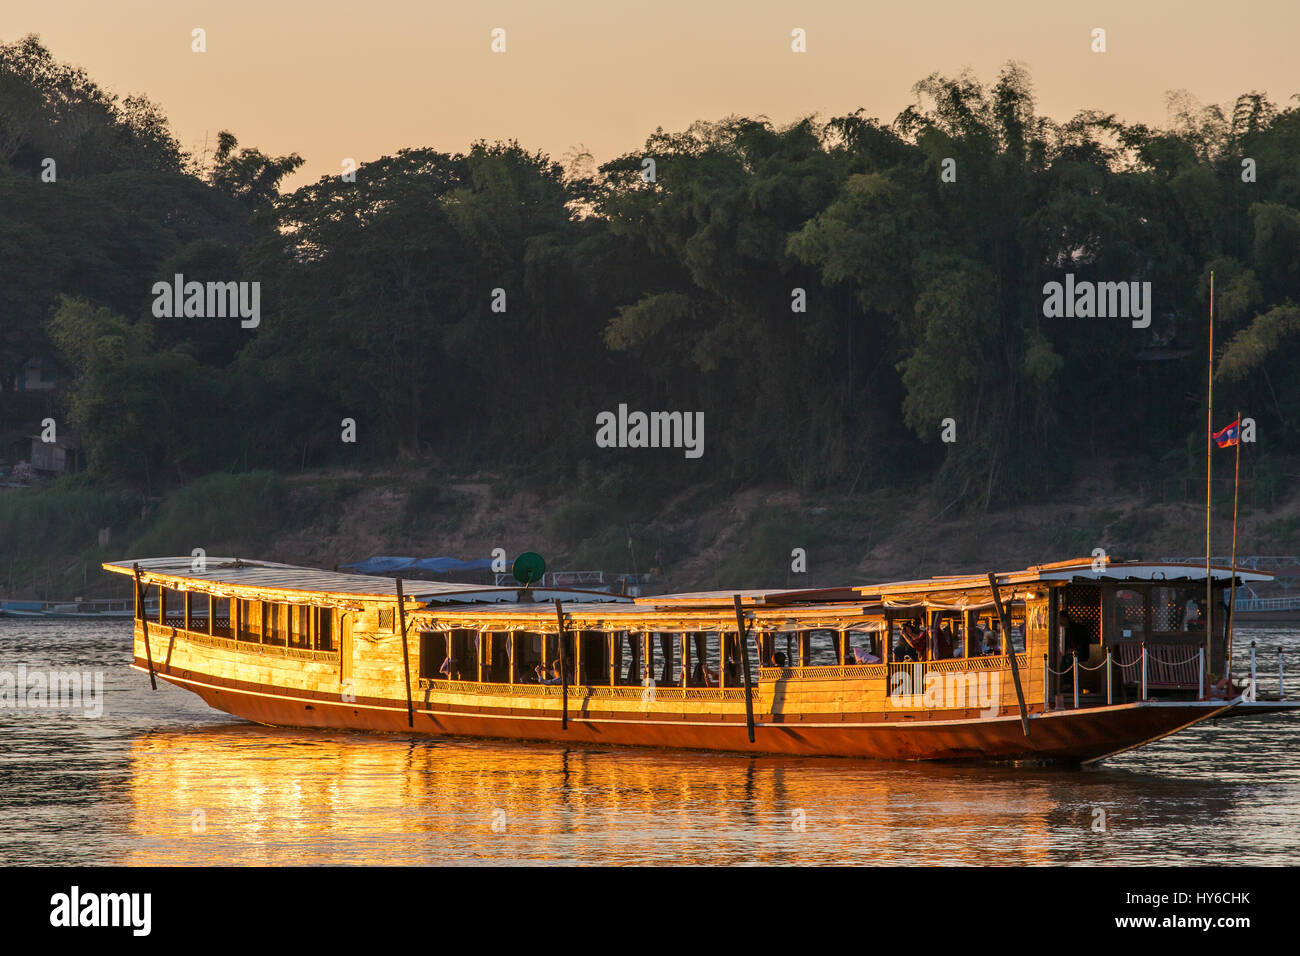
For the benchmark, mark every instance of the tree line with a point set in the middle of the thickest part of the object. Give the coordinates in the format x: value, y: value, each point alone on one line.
x: 836, y: 296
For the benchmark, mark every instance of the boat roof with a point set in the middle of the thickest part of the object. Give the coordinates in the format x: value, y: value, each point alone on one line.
x: 231, y: 577
x: 753, y: 596
x: 227, y: 577
x: 1074, y: 570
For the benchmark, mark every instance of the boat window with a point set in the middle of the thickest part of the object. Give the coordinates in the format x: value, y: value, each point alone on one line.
x: 822, y: 649
x: 220, y: 611
x: 862, y: 643
x: 173, y: 607
x: 528, y: 651
x: 1130, y: 614
x: 667, y: 650
x: 1083, y: 601
x: 496, y: 657
x: 1169, y: 609
x: 325, y: 629
x: 432, y: 651
x: 1017, y: 616
x: 593, y: 658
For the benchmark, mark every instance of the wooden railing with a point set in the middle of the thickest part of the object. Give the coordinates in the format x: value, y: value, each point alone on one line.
x: 822, y: 672
x: 1168, y: 666
x: 916, y: 671
x: 160, y: 634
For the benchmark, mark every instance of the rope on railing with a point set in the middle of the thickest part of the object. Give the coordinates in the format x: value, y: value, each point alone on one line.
x: 1082, y: 667
x: 1159, y: 660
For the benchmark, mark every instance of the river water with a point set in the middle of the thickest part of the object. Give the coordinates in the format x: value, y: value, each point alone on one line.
x: 159, y: 778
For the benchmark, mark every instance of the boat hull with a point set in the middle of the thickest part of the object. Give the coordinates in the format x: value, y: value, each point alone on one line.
x: 1074, y: 736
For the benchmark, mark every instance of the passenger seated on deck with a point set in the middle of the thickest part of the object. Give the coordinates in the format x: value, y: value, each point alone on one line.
x: 1224, y: 689
x: 733, y: 670
x: 863, y: 656
x: 553, y: 678
x: 993, y: 640
x: 778, y: 659
x: 450, y: 668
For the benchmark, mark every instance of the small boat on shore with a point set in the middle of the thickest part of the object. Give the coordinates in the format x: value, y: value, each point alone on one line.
x: 93, y: 610
x: 1068, y: 662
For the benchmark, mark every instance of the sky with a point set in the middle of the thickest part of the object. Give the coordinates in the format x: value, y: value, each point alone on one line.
x: 331, y: 80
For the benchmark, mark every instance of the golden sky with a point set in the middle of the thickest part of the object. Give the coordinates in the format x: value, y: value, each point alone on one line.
x: 331, y: 79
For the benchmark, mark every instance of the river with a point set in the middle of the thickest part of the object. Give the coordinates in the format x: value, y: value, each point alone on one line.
x: 159, y: 778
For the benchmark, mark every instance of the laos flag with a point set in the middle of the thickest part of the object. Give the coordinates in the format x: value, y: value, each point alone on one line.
x: 1229, y: 436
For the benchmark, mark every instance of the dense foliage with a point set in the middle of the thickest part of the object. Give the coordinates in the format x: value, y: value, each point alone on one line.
x: 924, y: 297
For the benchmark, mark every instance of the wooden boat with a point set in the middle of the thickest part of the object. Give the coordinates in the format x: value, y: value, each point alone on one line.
x: 760, y: 671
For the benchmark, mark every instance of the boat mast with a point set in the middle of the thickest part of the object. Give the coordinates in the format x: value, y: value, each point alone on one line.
x: 1209, y: 511
x: 1232, y: 594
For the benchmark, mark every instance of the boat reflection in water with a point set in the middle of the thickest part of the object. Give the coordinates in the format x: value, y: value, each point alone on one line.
x: 237, y: 794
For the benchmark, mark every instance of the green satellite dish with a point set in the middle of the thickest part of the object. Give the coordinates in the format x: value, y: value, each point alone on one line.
x: 529, y: 568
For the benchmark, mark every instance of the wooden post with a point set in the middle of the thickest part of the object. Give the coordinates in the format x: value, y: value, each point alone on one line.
x: 1110, y: 691
x: 686, y: 657
x: 162, y: 605
x: 611, y: 638
x: 406, y: 655
x: 212, y: 615
x: 510, y: 653
x: 144, y: 624
x: 577, y: 658
x: 564, y: 677
x: 189, y: 608
x: 1015, y: 667
x: 744, y: 663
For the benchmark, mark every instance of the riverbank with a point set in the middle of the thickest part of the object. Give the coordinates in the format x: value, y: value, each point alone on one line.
x: 52, y: 539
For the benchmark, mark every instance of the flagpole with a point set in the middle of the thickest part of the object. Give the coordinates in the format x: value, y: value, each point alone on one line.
x: 1232, y: 595
x: 1209, y: 509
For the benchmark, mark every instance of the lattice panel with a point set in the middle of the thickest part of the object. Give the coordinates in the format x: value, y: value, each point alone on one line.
x: 1084, y: 605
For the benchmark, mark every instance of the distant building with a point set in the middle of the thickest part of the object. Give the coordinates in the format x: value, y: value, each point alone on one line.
x: 54, y: 457
x: 37, y: 375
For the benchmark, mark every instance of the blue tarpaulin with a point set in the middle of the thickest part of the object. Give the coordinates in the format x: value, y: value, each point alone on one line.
x: 384, y: 564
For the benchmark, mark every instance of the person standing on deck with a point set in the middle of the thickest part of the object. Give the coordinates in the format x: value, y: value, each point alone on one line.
x: 916, y: 643
x: 942, y: 642
x: 1077, y: 642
